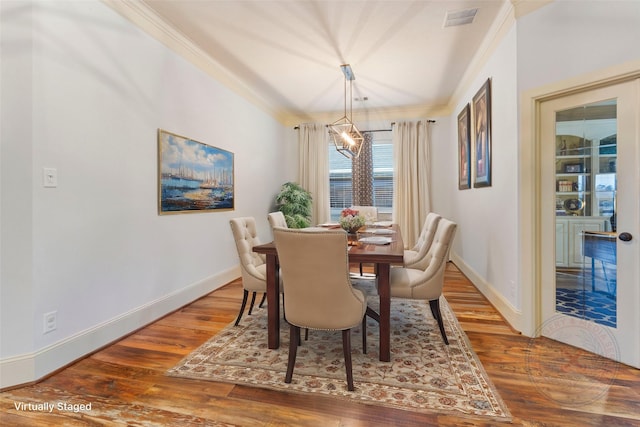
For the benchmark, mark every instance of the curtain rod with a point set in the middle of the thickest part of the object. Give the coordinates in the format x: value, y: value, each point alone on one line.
x: 428, y: 121
x: 375, y: 130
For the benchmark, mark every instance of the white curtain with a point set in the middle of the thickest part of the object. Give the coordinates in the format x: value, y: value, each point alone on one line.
x: 313, y: 168
x: 412, y: 171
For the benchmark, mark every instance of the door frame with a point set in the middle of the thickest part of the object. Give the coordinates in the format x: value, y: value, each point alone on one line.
x: 530, y: 232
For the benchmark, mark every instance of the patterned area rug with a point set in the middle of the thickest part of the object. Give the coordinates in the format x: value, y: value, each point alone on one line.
x: 424, y: 375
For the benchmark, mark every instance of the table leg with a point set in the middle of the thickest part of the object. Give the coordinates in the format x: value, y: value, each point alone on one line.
x: 273, y: 302
x: 593, y: 274
x: 385, y: 312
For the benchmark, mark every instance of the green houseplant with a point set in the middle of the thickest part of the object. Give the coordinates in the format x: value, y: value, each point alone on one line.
x: 295, y: 203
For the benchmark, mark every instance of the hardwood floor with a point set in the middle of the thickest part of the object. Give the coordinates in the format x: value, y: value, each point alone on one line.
x: 544, y: 383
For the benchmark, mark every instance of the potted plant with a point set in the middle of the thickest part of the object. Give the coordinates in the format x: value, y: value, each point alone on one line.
x: 295, y: 203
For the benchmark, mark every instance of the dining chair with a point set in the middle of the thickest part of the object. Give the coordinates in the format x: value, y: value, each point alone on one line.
x: 415, y: 257
x: 277, y: 219
x: 370, y: 214
x: 426, y: 283
x: 317, y: 290
x: 252, y: 265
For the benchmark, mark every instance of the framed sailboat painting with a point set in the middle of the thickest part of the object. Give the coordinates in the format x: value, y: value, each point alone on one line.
x: 193, y: 176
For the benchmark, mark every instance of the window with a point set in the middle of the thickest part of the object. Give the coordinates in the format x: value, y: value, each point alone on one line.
x: 340, y: 174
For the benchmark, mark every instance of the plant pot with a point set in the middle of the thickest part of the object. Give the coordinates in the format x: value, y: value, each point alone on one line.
x: 352, y: 230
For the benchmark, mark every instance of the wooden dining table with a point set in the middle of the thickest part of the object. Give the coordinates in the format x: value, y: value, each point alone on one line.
x: 383, y: 256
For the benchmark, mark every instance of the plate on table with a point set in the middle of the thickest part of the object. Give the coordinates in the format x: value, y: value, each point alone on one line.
x: 375, y: 240
x: 381, y: 231
x: 329, y: 224
x: 383, y: 223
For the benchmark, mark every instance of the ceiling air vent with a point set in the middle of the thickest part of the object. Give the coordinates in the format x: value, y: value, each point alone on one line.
x: 459, y: 17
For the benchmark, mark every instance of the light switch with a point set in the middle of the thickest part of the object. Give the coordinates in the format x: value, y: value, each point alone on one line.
x: 50, y: 177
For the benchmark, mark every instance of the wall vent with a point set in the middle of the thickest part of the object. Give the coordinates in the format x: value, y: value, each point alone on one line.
x: 459, y: 17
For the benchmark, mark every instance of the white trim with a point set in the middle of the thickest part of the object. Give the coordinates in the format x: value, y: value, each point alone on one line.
x: 512, y: 315
x: 34, y: 366
x: 525, y: 7
x: 150, y: 22
x: 504, y: 21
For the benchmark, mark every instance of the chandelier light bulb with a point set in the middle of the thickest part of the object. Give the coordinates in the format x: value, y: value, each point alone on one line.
x: 347, y: 138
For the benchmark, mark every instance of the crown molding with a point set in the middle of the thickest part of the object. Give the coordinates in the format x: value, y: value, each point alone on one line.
x: 524, y: 7
x: 146, y: 19
x: 501, y: 26
x: 142, y: 16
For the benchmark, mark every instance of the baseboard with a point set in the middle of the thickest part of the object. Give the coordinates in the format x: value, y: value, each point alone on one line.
x: 511, y: 314
x: 32, y: 367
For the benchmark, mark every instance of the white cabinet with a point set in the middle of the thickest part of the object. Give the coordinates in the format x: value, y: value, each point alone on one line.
x: 569, y: 232
x: 585, y: 176
x: 585, y: 185
x: 562, y: 245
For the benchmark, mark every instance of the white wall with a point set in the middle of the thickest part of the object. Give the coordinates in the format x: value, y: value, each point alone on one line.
x: 89, y: 91
x: 561, y: 41
x: 485, y: 247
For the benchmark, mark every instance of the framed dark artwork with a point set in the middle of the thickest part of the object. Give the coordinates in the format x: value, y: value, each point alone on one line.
x: 481, y: 106
x: 193, y: 176
x: 464, y: 148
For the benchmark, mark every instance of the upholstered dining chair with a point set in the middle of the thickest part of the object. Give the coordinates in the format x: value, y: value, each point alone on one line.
x: 277, y: 219
x: 426, y: 283
x: 252, y: 265
x: 317, y: 290
x: 370, y: 214
x: 415, y: 257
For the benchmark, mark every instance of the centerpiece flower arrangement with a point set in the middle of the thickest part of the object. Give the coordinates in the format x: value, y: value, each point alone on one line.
x: 351, y: 220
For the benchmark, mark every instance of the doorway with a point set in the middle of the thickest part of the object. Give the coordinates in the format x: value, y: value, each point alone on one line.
x: 589, y: 220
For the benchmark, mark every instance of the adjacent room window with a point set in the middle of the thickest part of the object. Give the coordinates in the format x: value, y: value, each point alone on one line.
x: 340, y: 177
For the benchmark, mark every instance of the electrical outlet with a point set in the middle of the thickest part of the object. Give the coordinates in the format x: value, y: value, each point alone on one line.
x: 50, y: 322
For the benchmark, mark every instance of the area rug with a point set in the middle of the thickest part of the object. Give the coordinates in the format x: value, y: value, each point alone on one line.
x: 424, y: 374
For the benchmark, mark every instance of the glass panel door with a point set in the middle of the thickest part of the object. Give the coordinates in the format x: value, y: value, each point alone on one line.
x: 585, y: 159
x: 589, y: 210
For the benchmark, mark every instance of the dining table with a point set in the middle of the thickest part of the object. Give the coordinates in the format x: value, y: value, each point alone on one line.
x: 383, y: 256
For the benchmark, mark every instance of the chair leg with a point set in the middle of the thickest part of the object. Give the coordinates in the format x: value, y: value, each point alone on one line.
x: 294, y: 336
x: 284, y: 309
x: 375, y: 316
x: 364, y: 334
x: 435, y: 310
x: 244, y: 303
x: 360, y: 269
x: 346, y: 347
x: 253, y: 301
x: 264, y: 298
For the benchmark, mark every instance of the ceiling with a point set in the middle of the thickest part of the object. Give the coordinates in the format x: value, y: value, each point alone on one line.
x: 285, y: 55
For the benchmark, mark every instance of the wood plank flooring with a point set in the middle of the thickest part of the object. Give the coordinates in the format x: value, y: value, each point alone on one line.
x: 544, y: 383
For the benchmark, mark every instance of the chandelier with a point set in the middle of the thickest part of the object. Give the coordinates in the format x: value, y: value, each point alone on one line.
x: 345, y: 135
